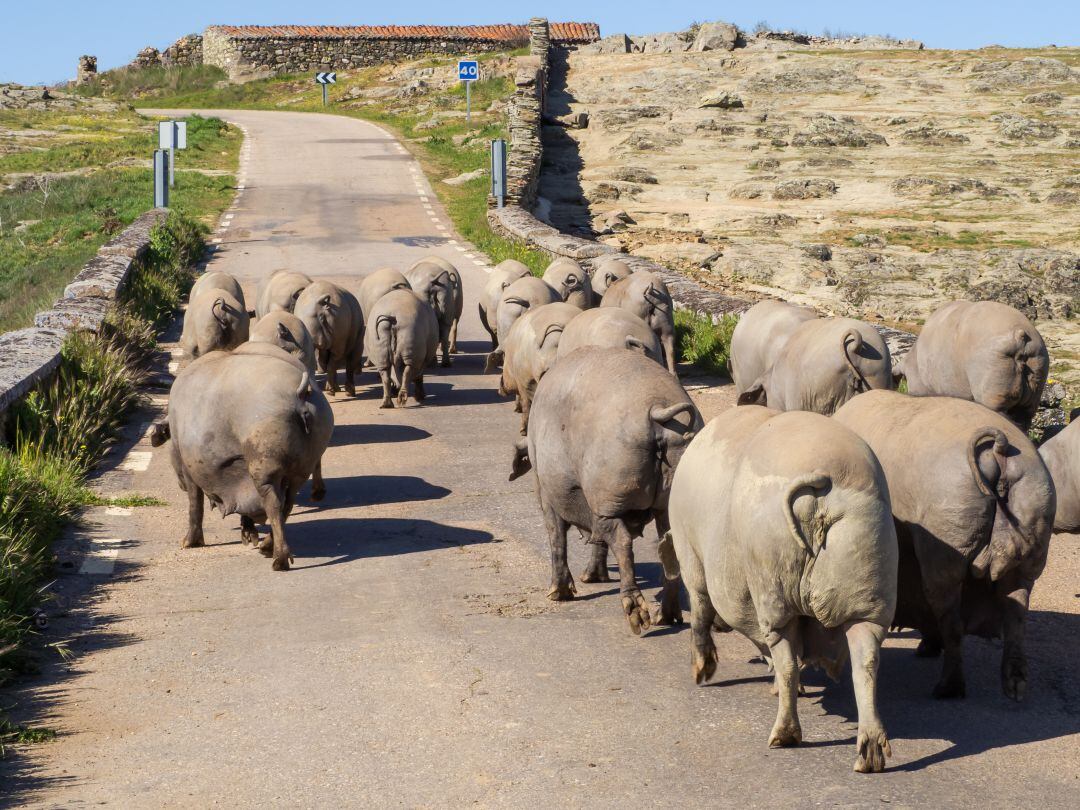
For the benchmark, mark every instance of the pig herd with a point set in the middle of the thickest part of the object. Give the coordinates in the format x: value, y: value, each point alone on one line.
x: 824, y: 511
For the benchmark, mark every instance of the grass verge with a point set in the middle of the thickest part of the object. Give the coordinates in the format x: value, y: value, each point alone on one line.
x: 50, y: 226
x: 703, y: 343
x: 63, y: 428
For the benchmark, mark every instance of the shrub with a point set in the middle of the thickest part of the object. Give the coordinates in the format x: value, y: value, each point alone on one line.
x: 703, y: 343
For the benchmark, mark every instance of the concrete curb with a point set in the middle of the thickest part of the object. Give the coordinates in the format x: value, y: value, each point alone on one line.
x: 28, y: 356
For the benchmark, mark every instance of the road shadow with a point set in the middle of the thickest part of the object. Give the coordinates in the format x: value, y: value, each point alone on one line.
x: 376, y: 434
x: 446, y: 394
x: 76, y: 626
x: 985, y: 719
x: 421, y: 241
x: 346, y: 540
x: 376, y: 490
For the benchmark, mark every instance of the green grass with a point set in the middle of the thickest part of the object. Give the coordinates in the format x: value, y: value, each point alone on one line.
x: 703, y: 343
x: 12, y: 733
x: 56, y: 435
x: 65, y: 221
x: 929, y: 239
x: 131, y: 83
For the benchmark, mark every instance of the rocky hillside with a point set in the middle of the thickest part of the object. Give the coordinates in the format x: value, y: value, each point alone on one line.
x: 877, y: 182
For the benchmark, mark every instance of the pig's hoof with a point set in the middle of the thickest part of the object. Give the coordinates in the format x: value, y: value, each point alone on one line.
x: 280, y: 564
x: 445, y: 362
x: 785, y: 734
x: 951, y: 686
x: 402, y: 399
x: 387, y: 403
x: 873, y: 747
x: 193, y: 540
x: 266, y: 547
x: 1014, y: 678
x: 637, y: 612
x: 249, y: 537
x: 704, y: 664
x: 318, y: 493
x: 927, y: 649
x: 350, y: 390
x: 562, y: 591
x: 595, y: 574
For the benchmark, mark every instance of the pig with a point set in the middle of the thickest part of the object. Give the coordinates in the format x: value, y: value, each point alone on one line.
x: 759, y: 337
x: 566, y: 277
x: 433, y: 283
x: 781, y: 530
x: 505, y: 273
x: 215, y: 320
x: 286, y: 331
x: 218, y: 280
x: 1061, y: 454
x: 531, y: 348
x: 279, y: 291
x: 403, y: 340
x: 982, y: 351
x: 459, y: 299
x: 375, y: 285
x: 246, y: 460
x: 526, y: 293
x: 646, y: 295
x: 611, y: 327
x: 823, y: 364
x: 608, y: 271
x: 606, y: 430
x: 332, y: 316
x: 974, y: 507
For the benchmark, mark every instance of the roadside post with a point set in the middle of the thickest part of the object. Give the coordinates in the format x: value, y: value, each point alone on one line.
x: 498, y: 171
x: 167, y: 140
x: 324, y: 79
x: 161, y: 178
x: 468, y: 71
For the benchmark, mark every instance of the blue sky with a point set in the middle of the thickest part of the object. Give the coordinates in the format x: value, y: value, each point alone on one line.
x: 41, y: 41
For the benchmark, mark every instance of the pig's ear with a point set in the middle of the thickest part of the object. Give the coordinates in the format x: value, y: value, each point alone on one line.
x: 325, y: 301
x: 283, y: 331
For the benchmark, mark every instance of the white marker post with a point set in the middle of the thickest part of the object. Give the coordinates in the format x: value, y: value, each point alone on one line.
x: 167, y: 140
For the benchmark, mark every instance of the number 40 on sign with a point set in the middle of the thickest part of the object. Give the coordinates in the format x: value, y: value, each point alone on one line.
x: 468, y: 71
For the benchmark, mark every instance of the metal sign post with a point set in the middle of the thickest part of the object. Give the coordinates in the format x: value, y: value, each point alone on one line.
x: 498, y: 172
x: 468, y: 71
x: 325, y: 79
x: 167, y: 140
x: 161, y: 181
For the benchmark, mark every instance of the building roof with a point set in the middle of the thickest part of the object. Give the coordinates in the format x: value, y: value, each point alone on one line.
x: 568, y: 32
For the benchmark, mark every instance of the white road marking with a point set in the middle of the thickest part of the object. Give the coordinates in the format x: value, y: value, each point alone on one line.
x: 479, y: 263
x: 459, y: 247
x: 176, y: 351
x: 160, y: 402
x: 118, y: 511
x: 136, y: 461
x: 101, y: 558
x: 174, y: 367
x: 213, y: 241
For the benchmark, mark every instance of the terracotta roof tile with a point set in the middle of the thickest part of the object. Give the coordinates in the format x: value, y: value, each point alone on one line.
x: 560, y: 32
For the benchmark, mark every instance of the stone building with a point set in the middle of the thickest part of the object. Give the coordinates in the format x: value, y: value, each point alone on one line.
x: 87, y: 70
x: 243, y: 50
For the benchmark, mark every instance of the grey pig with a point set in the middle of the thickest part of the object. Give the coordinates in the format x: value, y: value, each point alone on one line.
x: 646, y: 295
x: 332, y: 316
x: 974, y: 508
x: 782, y: 531
x: 403, y: 338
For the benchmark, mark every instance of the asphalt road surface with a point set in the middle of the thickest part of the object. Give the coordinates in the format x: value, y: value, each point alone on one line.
x: 410, y: 658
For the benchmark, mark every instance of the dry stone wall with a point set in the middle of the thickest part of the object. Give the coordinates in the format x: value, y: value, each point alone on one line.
x: 274, y: 55
x: 28, y: 356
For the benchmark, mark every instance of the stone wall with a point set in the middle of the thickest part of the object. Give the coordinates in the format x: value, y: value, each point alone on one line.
x: 274, y: 55
x: 245, y: 50
x: 87, y: 69
x: 28, y: 356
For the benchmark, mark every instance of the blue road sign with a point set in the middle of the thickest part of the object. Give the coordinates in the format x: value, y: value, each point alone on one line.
x: 468, y: 70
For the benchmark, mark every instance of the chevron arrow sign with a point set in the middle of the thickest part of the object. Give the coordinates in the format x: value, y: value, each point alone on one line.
x: 326, y: 78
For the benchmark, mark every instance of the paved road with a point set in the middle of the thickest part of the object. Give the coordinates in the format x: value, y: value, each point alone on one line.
x: 410, y: 657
